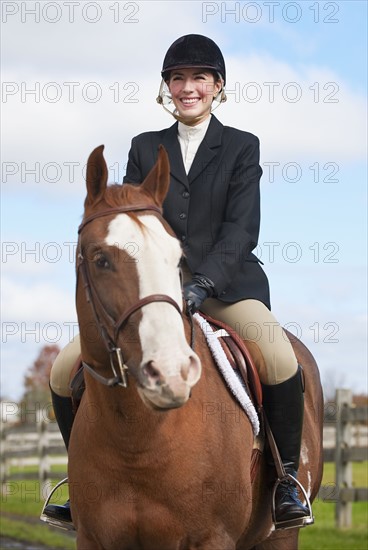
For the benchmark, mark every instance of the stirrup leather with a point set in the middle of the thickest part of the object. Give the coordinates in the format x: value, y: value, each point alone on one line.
x: 66, y: 525
x: 297, y: 522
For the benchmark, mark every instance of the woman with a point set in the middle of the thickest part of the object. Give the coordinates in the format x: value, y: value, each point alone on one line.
x: 213, y: 205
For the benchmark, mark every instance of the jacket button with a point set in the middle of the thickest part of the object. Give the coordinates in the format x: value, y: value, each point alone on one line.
x: 182, y: 216
x: 185, y: 194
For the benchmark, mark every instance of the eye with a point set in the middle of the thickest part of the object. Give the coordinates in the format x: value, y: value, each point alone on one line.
x: 101, y: 261
x: 176, y: 76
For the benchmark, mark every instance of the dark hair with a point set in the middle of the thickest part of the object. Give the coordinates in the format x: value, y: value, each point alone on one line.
x: 216, y: 76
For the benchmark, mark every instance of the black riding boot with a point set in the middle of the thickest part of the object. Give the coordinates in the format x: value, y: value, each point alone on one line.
x: 64, y: 414
x: 284, y: 407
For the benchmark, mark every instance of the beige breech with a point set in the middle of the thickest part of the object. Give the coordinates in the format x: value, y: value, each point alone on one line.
x: 251, y: 319
x: 62, y: 367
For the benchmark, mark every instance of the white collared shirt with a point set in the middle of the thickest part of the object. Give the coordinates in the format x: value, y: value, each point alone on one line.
x: 190, y: 138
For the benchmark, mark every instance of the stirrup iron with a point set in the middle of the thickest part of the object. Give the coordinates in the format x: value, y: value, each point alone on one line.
x: 296, y: 522
x: 66, y: 525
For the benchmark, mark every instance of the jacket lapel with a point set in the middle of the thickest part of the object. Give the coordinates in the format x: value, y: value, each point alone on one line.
x: 172, y: 146
x: 207, y: 149
x: 204, y: 155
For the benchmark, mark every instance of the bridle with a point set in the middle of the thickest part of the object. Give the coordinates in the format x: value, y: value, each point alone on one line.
x: 114, y: 325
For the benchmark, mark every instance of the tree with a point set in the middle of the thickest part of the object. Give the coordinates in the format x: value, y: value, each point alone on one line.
x: 36, y: 401
x: 331, y: 381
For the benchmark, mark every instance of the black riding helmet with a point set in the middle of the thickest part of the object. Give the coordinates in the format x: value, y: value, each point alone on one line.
x: 194, y: 50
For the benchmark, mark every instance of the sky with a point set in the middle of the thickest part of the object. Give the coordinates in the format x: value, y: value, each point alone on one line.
x: 78, y: 74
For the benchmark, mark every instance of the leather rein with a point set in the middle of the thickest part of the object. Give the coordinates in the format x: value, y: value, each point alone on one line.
x: 93, y: 298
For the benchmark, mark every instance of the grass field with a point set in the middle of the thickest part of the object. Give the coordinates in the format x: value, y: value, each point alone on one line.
x: 323, y: 535
x: 24, y: 503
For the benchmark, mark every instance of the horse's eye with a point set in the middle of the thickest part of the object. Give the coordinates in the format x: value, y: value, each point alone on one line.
x: 102, y: 262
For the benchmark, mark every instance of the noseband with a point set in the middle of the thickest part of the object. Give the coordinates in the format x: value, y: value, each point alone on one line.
x: 120, y: 377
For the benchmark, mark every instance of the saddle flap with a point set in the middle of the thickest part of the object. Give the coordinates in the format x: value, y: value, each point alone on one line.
x: 241, y: 357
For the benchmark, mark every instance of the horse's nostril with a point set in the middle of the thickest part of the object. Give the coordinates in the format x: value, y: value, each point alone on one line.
x: 184, y: 372
x: 151, y: 371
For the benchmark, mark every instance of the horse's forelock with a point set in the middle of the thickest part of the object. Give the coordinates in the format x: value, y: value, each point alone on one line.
x: 118, y: 195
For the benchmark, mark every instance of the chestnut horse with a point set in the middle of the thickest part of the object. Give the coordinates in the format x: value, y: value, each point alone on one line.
x: 160, y: 453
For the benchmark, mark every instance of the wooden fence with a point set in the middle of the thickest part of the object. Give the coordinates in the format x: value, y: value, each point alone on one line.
x: 24, y: 447
x: 344, y: 416
x: 32, y: 452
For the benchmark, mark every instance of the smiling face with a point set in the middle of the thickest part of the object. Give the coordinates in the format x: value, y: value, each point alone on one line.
x: 193, y: 91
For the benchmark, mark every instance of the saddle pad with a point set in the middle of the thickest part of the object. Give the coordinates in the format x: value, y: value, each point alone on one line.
x: 235, y: 385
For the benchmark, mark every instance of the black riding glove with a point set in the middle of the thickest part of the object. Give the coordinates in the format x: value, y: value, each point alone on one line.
x: 196, y: 292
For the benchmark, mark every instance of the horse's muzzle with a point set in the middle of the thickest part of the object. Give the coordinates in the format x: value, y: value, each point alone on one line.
x: 167, y: 385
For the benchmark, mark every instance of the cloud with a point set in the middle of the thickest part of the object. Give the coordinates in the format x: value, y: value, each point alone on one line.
x: 118, y: 42
x: 300, y: 112
x: 42, y: 302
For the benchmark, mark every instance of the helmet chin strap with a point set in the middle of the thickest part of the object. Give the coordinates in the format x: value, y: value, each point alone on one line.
x: 192, y: 121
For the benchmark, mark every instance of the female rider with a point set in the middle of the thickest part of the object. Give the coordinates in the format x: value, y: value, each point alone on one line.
x: 213, y: 205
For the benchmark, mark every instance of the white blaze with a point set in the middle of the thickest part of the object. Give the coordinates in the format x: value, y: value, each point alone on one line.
x: 304, y: 456
x: 156, y: 255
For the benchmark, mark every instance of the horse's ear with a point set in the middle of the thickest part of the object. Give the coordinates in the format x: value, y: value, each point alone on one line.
x: 97, y: 175
x: 158, y: 179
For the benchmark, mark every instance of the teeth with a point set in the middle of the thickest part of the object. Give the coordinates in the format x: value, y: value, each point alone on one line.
x: 189, y: 100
